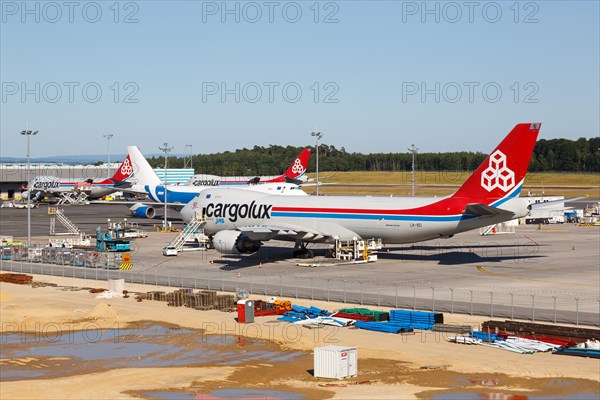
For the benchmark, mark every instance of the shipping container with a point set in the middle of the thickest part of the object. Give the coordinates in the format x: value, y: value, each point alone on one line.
x: 336, y: 362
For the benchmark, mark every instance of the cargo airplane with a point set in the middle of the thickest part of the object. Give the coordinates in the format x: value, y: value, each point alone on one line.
x: 294, y: 174
x: 52, y: 186
x: 240, y: 221
x: 146, y: 182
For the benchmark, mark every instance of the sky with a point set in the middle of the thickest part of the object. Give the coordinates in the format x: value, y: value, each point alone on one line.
x: 372, y: 76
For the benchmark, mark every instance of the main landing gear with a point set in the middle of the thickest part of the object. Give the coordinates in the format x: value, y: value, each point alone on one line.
x: 300, y: 250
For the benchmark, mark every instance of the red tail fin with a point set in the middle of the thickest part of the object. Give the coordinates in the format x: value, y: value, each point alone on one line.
x: 124, y: 171
x: 502, y: 173
x: 298, y: 167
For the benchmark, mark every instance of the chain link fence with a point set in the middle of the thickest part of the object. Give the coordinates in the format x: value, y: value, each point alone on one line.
x: 494, y: 302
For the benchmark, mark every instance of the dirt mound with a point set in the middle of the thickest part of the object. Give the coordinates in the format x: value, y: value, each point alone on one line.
x: 102, y: 311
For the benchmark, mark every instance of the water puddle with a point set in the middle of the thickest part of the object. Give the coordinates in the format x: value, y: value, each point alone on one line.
x: 507, y: 396
x: 63, y: 353
x: 247, y: 394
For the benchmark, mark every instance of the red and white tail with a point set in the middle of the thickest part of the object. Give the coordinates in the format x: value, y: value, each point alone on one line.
x: 299, y: 166
x: 124, y: 171
x: 502, y: 173
x: 143, y: 172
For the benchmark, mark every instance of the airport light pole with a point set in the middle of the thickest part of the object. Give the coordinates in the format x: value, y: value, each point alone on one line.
x: 28, y: 133
x: 108, y: 136
x: 189, y: 146
x: 318, y: 136
x: 166, y: 149
x: 413, y: 150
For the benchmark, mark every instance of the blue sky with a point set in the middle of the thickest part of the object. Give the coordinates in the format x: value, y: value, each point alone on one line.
x: 372, y: 76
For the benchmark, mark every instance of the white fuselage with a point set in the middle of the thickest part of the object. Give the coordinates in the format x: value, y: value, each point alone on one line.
x: 394, y: 220
x: 183, y: 194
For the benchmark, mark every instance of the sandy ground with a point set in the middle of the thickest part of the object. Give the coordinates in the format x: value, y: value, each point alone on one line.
x: 389, y: 365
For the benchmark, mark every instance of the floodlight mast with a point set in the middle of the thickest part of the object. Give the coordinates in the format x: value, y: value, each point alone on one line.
x: 166, y: 149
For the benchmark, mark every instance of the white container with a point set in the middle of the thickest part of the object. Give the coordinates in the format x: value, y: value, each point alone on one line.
x: 337, y: 362
x: 116, y: 285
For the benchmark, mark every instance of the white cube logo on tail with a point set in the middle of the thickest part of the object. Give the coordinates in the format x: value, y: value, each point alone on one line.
x: 126, y: 168
x: 297, y: 168
x: 497, y: 174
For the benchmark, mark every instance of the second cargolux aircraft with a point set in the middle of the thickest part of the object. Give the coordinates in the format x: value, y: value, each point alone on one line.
x: 240, y: 221
x: 294, y: 174
x: 52, y: 186
x: 145, y: 181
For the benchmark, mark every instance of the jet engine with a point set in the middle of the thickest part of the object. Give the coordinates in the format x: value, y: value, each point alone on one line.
x: 140, y: 210
x: 234, y: 242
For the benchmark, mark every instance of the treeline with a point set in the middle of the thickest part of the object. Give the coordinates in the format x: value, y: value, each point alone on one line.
x: 559, y: 155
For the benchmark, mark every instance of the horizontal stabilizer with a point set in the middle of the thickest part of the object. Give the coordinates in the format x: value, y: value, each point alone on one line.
x: 483, y: 210
x: 121, y: 184
x: 553, y: 204
x: 294, y: 181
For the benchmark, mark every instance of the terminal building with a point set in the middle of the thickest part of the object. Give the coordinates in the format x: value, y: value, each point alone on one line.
x: 14, y: 177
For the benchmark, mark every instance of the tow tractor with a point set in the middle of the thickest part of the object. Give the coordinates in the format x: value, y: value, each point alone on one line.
x: 106, y: 242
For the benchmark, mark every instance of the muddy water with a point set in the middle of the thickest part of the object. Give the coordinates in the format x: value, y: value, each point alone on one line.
x: 227, y: 394
x: 56, y: 354
x: 265, y: 370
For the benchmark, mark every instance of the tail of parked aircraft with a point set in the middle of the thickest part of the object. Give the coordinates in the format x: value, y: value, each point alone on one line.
x: 299, y: 166
x: 124, y: 171
x: 142, y: 171
x: 502, y: 173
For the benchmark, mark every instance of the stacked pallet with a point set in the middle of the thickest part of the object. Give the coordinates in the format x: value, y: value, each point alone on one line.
x: 176, y: 298
x: 18, y: 279
x: 225, y: 302
x: 198, y: 301
x: 210, y: 296
x: 155, y: 295
x: 203, y: 300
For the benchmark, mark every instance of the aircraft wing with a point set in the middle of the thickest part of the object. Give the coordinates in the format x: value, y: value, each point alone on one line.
x: 268, y: 232
x: 131, y: 191
x: 483, y: 210
x: 157, y: 206
x: 293, y: 232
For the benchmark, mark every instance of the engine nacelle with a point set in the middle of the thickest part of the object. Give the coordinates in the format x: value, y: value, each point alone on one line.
x: 142, y: 211
x: 234, y: 242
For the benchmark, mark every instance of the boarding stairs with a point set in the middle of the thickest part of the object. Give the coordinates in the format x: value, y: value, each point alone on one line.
x: 193, y: 232
x: 66, y: 222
